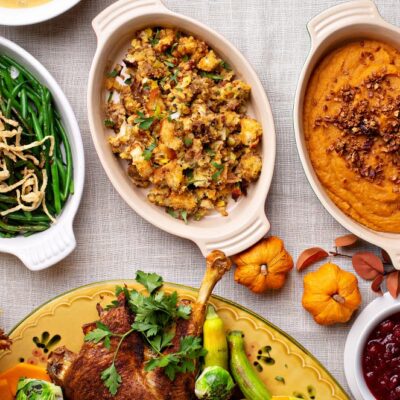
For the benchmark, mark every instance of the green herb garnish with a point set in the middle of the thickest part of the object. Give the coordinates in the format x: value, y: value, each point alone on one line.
x: 180, y: 362
x: 169, y: 64
x: 155, y: 316
x: 226, y: 66
x: 148, y: 152
x: 128, y: 81
x: 188, y: 141
x: 113, y: 73
x: 143, y: 121
x: 155, y: 39
x: 219, y: 167
x: 174, y: 76
x: 109, y: 123
x: 211, y: 76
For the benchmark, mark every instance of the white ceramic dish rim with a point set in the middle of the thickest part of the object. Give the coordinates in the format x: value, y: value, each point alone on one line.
x: 370, y: 317
x: 34, y: 15
x: 45, y: 249
x: 347, y: 21
x: 229, y: 235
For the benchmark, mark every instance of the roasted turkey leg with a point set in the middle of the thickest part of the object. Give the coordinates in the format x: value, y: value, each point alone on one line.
x: 79, y: 374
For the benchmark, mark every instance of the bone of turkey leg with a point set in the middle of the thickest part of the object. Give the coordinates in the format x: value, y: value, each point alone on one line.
x: 79, y: 374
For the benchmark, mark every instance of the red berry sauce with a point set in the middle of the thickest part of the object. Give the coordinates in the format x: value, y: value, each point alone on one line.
x: 381, y: 359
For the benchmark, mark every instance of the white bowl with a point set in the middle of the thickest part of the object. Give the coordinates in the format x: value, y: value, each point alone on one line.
x: 246, y: 222
x: 372, y: 315
x: 347, y: 21
x: 33, y: 15
x: 44, y: 249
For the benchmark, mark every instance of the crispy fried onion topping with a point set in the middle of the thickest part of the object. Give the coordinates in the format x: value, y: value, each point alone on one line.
x: 29, y: 194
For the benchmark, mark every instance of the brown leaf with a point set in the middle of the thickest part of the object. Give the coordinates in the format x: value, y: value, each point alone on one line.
x: 367, y: 265
x: 376, y: 284
x: 310, y: 256
x: 386, y: 256
x: 393, y: 283
x: 346, y: 240
x: 5, y: 342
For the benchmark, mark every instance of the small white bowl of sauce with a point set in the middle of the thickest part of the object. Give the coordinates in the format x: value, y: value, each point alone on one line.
x: 27, y: 12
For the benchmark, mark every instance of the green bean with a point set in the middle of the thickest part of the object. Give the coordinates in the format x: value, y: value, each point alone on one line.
x: 7, y: 199
x: 24, y: 104
x: 69, y: 185
x: 23, y: 70
x: 22, y: 228
x: 35, y: 218
x: 36, y: 127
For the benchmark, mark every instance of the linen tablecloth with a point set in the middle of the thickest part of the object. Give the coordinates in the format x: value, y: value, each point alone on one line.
x: 113, y: 241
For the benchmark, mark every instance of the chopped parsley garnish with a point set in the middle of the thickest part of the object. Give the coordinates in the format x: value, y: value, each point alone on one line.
x: 109, y: 123
x: 148, y: 152
x: 182, y: 361
x: 155, y: 39
x: 219, y: 167
x: 211, y: 76
x: 188, y: 141
x: 110, y: 96
x: 177, y: 214
x: 113, y: 73
x: 169, y: 64
x: 174, y: 76
x: 209, y: 151
x: 185, y: 58
x: 128, y: 81
x: 226, y: 66
x: 155, y: 316
x: 143, y: 121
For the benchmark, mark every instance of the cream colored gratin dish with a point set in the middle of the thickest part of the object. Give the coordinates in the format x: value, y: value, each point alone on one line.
x: 244, y: 222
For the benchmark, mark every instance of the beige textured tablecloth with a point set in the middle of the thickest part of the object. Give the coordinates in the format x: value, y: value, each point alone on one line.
x: 113, y: 241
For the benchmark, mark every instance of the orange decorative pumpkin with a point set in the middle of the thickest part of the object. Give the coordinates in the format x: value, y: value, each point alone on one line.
x: 331, y: 295
x: 264, y: 266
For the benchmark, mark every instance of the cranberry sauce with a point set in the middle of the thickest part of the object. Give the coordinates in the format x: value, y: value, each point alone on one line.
x: 381, y: 359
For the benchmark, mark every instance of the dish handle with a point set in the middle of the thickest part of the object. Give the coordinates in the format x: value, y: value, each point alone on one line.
x: 47, y: 248
x: 394, y: 255
x: 236, y: 241
x: 122, y: 11
x: 340, y: 16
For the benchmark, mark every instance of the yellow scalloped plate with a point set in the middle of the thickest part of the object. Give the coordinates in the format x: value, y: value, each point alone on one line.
x: 284, y: 365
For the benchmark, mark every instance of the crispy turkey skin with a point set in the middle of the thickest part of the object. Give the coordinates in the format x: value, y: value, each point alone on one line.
x: 80, y: 374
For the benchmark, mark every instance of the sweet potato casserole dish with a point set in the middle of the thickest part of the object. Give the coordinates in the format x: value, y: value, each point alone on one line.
x: 179, y: 117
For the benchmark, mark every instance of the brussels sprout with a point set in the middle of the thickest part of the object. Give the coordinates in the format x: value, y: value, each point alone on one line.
x: 215, y: 383
x: 34, y: 389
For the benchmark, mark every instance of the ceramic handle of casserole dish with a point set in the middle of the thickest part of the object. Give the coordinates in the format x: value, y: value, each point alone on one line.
x: 394, y: 255
x: 122, y: 11
x: 236, y: 241
x: 47, y: 248
x: 340, y: 16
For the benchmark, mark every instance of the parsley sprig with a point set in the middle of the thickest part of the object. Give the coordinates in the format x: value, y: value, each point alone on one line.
x: 155, y: 316
x: 182, y: 361
x: 143, y: 121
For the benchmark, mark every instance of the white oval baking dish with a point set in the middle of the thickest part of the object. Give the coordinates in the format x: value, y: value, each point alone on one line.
x: 45, y: 249
x: 348, y: 21
x: 34, y: 15
x: 246, y: 222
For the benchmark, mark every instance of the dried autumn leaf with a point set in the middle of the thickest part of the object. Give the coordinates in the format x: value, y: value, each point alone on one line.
x: 386, y: 256
x: 393, y: 283
x: 5, y: 342
x: 346, y: 240
x: 376, y: 284
x: 367, y: 265
x: 310, y: 256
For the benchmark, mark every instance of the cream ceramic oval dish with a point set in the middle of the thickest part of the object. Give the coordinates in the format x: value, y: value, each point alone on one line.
x: 335, y: 26
x: 32, y: 15
x: 59, y: 323
x: 44, y: 249
x: 246, y: 222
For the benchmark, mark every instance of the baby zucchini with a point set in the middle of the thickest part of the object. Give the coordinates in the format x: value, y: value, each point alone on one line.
x: 214, y: 340
x: 244, y: 374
